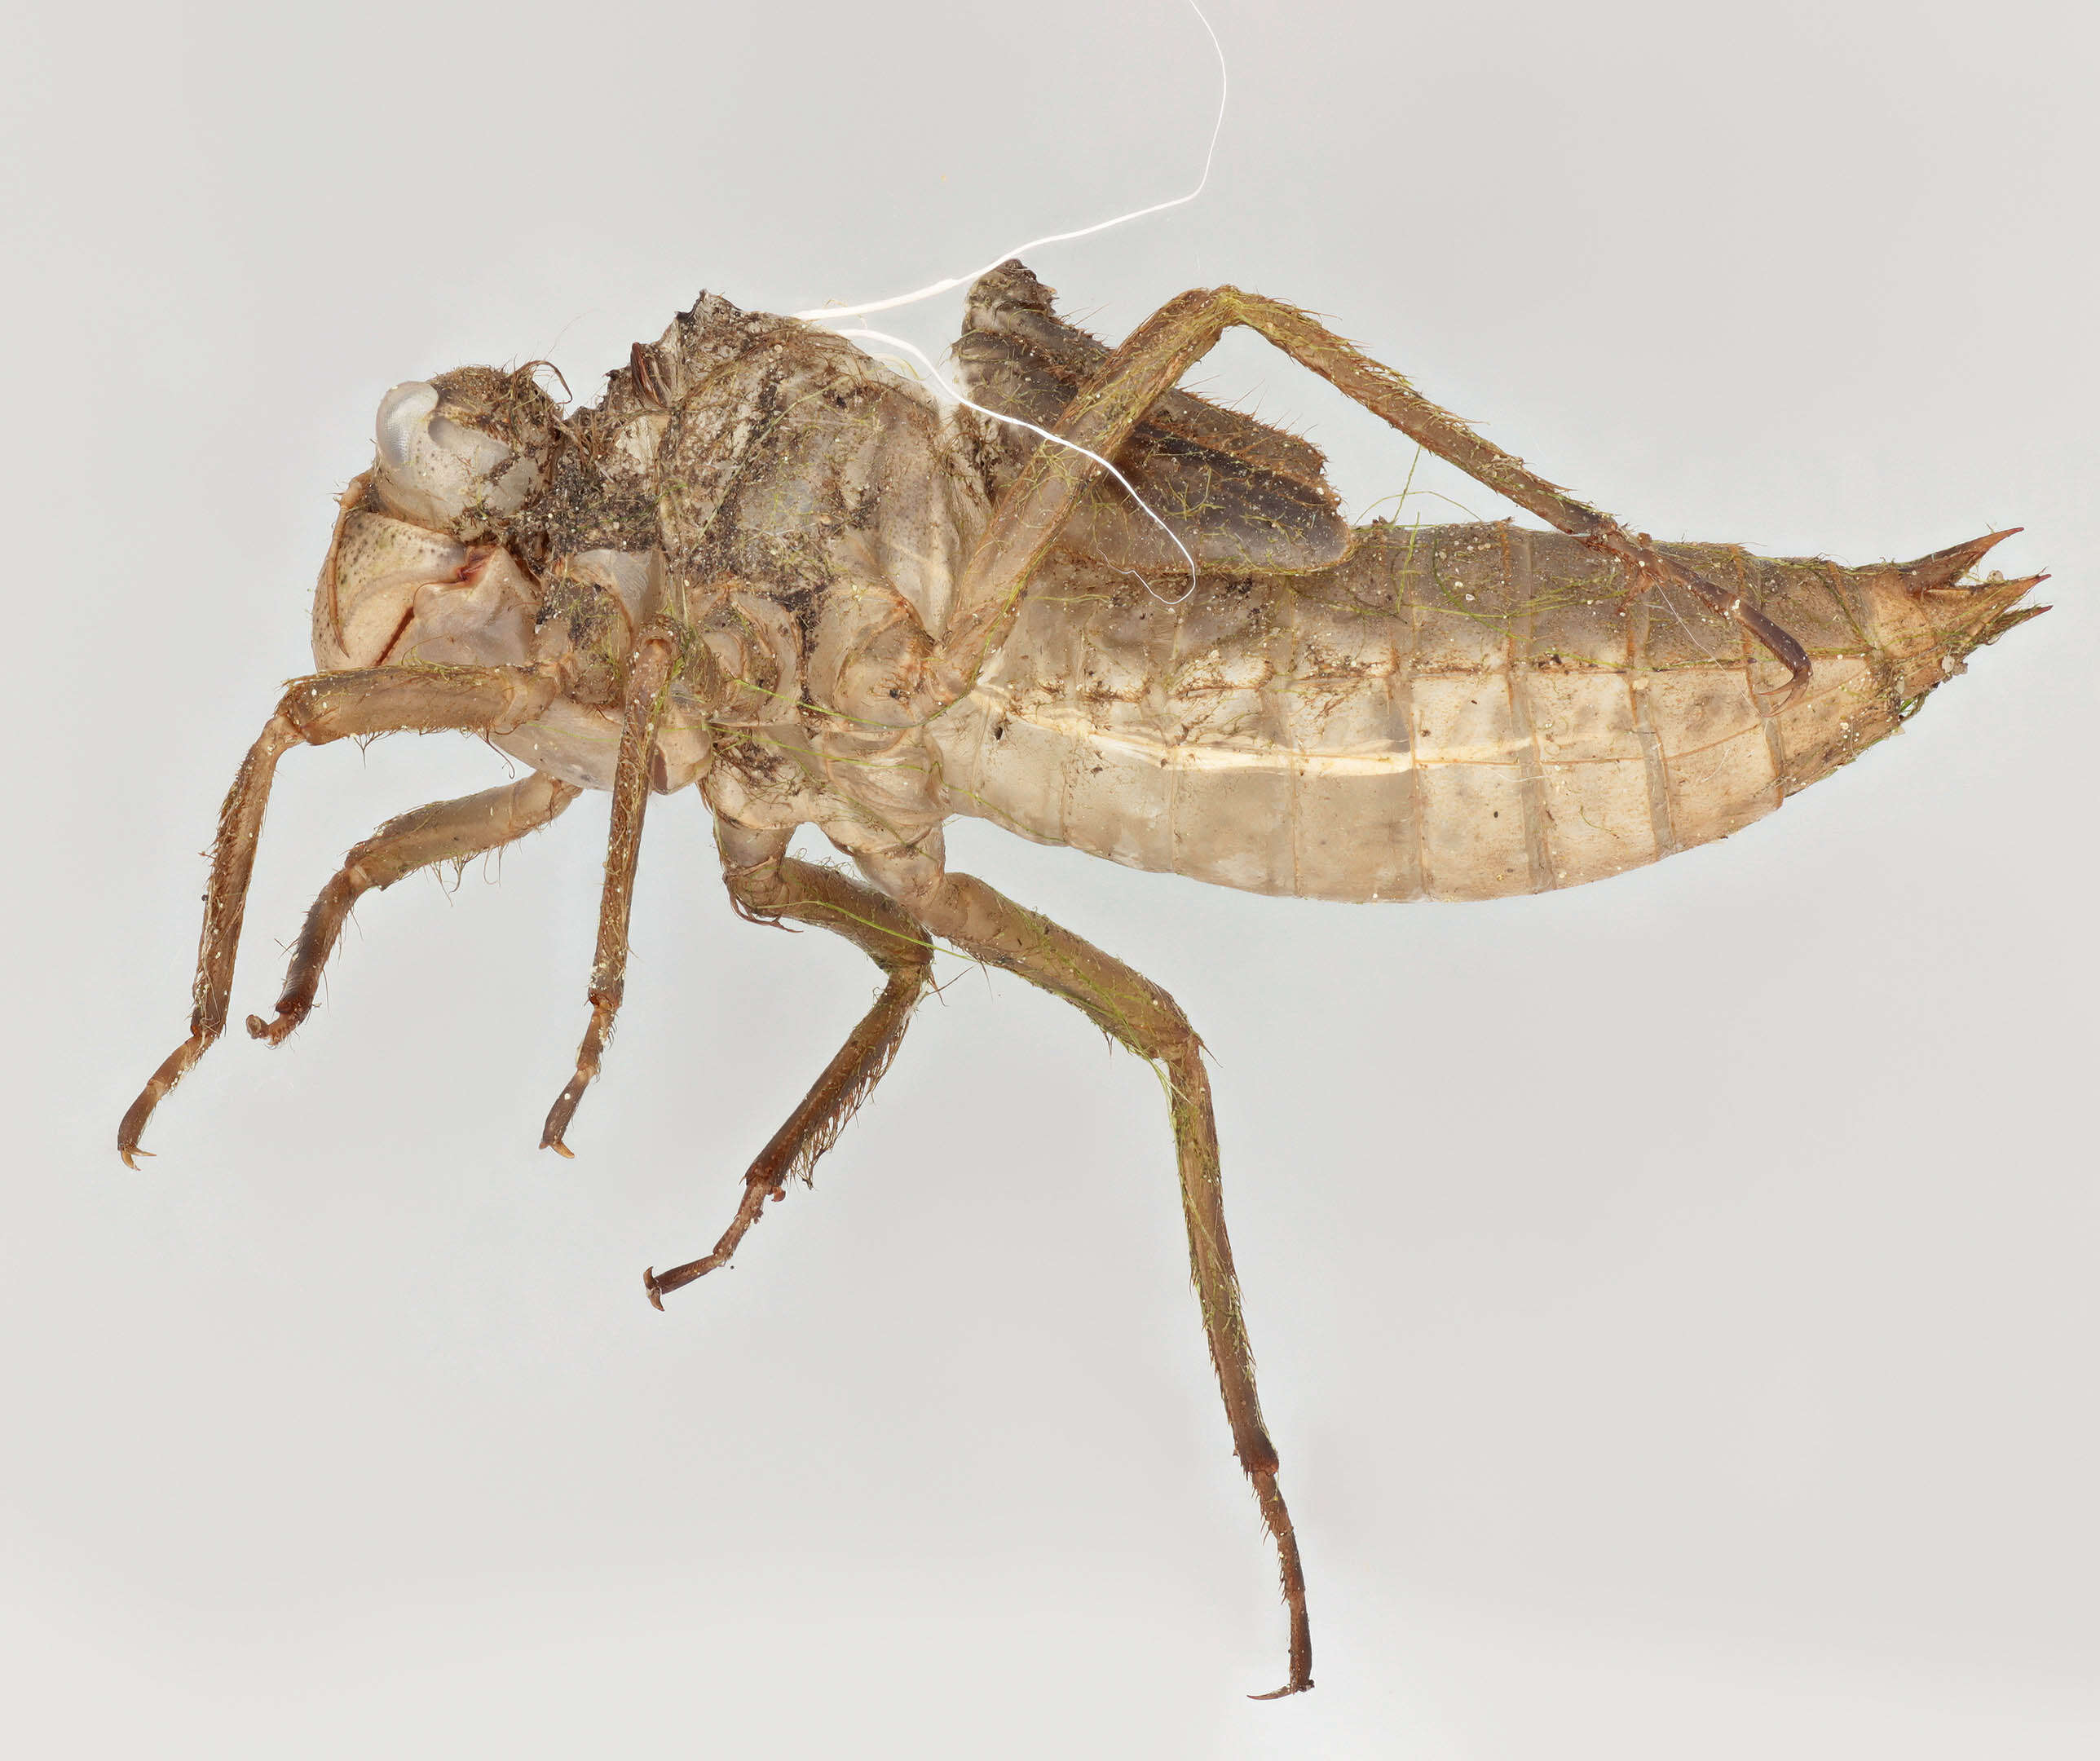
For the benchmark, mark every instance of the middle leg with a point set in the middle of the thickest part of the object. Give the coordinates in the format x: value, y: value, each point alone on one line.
x: 648, y: 689
x: 768, y: 884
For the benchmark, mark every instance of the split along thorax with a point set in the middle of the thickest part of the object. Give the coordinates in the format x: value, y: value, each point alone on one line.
x: 800, y: 511
x: 812, y: 512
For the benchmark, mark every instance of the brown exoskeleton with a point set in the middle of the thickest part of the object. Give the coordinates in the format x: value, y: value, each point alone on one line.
x: 766, y: 565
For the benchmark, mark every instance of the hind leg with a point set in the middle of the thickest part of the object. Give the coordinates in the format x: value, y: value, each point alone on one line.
x: 1107, y: 410
x: 962, y: 910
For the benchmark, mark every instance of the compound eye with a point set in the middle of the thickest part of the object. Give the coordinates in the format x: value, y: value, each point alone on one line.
x: 404, y: 414
x: 482, y: 453
x: 433, y: 470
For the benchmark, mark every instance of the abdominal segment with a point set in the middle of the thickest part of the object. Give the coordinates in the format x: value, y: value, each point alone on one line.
x: 1450, y: 712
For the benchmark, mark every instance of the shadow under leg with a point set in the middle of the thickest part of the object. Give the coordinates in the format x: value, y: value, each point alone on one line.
x: 441, y: 831
x: 962, y: 910
x: 768, y: 883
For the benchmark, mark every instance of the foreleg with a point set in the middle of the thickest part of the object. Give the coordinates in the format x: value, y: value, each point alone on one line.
x: 768, y: 883
x: 314, y: 712
x: 1108, y: 408
x: 962, y: 910
x: 441, y: 832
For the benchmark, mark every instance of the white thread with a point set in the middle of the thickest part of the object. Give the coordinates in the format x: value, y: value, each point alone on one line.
x: 823, y: 313
x: 878, y: 336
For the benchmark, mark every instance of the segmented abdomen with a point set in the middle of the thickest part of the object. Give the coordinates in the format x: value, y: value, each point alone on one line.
x: 1451, y: 713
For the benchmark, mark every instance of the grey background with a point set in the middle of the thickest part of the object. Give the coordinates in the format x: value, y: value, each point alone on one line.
x: 1674, y: 1298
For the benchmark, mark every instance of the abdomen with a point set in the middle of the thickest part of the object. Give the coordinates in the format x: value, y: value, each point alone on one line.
x: 1451, y: 713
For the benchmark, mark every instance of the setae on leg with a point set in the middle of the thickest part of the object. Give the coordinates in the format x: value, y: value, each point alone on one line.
x: 314, y: 712
x: 768, y: 884
x: 441, y: 831
x: 1105, y: 412
x: 648, y: 685
x: 985, y: 924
